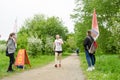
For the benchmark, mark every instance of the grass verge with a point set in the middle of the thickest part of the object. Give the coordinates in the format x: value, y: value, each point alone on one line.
x: 107, y: 67
x: 35, y: 62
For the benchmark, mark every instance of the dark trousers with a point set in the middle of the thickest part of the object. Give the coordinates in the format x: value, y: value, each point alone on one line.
x: 90, y: 58
x: 11, y: 62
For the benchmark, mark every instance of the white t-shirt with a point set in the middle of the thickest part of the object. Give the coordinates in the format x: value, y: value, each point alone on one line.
x: 58, y: 44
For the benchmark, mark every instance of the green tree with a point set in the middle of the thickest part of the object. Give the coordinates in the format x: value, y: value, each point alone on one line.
x: 2, y: 46
x: 43, y: 30
x: 70, y: 43
x: 108, y: 21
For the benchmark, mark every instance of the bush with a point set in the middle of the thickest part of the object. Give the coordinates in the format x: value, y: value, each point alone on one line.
x: 22, y: 40
x: 2, y: 47
x: 113, y: 45
x: 49, y: 45
x: 34, y: 46
x: 107, y: 67
x: 44, y: 28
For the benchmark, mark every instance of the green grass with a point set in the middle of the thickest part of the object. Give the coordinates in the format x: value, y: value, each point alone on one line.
x: 107, y: 67
x: 35, y: 63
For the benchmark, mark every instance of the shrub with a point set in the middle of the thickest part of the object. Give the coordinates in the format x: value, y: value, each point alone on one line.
x: 2, y: 48
x: 49, y: 45
x: 34, y: 46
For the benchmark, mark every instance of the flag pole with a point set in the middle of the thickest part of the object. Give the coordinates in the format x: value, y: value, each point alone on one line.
x: 15, y: 27
x: 15, y: 30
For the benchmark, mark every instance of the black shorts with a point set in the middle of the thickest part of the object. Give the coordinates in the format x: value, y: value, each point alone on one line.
x: 58, y: 52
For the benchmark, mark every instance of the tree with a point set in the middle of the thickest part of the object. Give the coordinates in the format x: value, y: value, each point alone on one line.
x: 108, y: 21
x: 43, y: 30
x: 70, y: 43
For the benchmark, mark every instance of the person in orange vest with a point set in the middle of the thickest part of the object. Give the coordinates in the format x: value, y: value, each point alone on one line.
x: 11, y: 50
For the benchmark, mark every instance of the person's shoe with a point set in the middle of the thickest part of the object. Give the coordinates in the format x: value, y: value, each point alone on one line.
x: 89, y: 69
x: 93, y: 68
x: 10, y: 70
x: 56, y: 65
x: 59, y: 65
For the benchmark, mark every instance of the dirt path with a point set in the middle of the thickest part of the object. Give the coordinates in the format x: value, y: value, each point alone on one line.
x: 70, y: 70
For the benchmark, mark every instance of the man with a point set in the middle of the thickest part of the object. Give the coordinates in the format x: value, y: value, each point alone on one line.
x: 89, y: 57
x: 58, y: 50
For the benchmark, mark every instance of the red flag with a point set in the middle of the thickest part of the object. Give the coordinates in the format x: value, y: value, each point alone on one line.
x: 95, y: 29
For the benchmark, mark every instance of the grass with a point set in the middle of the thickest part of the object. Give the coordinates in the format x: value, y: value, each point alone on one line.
x: 107, y: 67
x: 35, y: 63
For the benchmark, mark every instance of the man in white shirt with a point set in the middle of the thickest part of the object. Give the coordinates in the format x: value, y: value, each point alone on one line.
x: 58, y: 50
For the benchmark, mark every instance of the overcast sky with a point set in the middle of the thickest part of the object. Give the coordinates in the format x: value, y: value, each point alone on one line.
x: 23, y: 9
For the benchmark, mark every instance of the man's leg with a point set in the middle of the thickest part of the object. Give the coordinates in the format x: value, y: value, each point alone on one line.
x: 12, y: 60
x: 93, y: 61
x: 10, y: 63
x: 88, y: 58
x: 56, y: 59
x: 60, y: 58
x: 94, y: 58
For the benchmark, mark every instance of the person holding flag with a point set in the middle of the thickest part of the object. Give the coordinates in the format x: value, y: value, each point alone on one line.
x: 95, y: 30
x: 89, y: 43
x: 89, y: 56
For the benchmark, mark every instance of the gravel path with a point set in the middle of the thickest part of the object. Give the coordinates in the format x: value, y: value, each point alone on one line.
x: 70, y: 70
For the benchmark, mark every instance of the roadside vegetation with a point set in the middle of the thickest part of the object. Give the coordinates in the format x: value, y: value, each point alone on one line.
x: 107, y: 67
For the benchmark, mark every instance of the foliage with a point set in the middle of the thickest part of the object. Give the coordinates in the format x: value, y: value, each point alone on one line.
x: 2, y: 46
x: 35, y: 62
x: 34, y: 46
x: 70, y: 43
x: 108, y: 21
x: 2, y: 42
x: 80, y: 33
x: 114, y: 40
x: 22, y: 38
x: 107, y: 67
x: 45, y: 30
x: 49, y: 46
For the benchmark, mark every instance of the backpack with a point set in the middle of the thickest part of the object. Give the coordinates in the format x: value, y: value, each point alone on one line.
x: 7, y: 54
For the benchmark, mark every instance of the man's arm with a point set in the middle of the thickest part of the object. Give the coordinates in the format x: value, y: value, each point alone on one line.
x: 61, y: 41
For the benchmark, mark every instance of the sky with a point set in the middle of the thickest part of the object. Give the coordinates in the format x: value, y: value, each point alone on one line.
x: 10, y: 10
